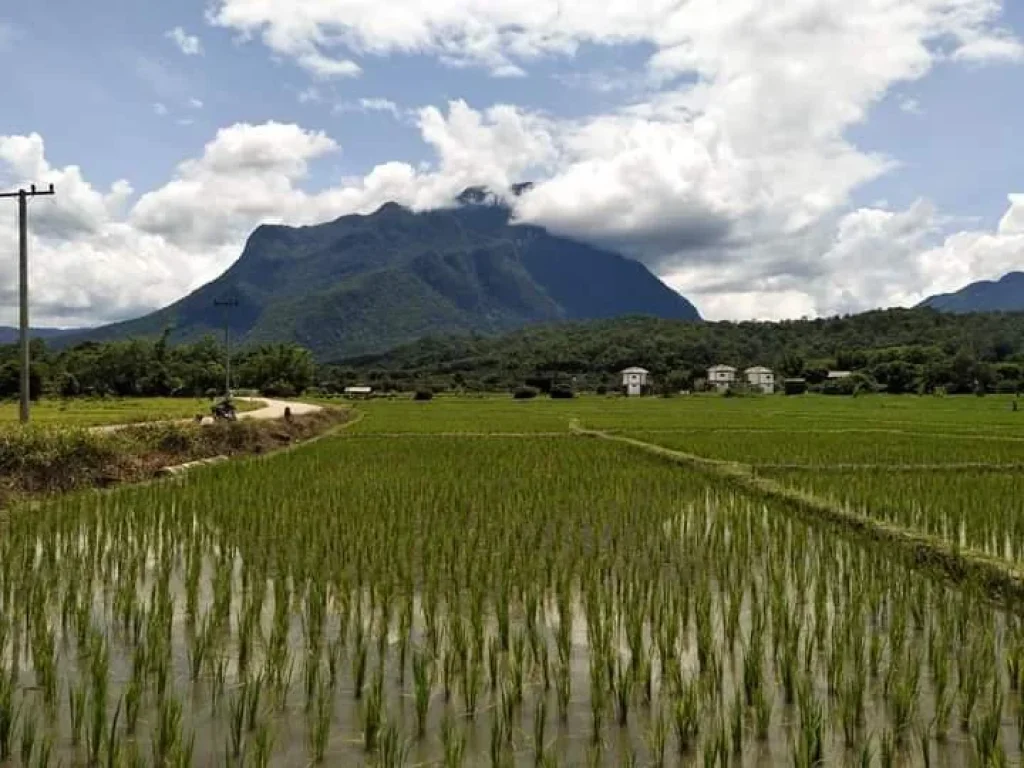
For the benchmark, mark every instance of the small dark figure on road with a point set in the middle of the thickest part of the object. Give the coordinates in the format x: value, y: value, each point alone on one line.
x: 287, y: 413
x: 224, y: 411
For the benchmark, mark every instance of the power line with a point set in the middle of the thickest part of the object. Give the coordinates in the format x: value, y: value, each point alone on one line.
x: 23, y: 195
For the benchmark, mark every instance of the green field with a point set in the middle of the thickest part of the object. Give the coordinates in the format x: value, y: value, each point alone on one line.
x: 89, y: 412
x: 469, y: 582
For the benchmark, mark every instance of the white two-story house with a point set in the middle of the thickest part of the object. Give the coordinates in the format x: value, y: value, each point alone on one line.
x: 721, y: 377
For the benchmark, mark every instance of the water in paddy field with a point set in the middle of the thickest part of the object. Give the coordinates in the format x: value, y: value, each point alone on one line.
x: 169, y: 626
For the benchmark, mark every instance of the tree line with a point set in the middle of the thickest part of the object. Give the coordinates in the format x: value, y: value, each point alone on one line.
x: 155, y: 368
x: 895, y: 351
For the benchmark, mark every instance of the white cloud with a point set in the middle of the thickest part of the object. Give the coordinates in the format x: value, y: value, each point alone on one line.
x: 187, y: 44
x: 8, y: 34
x: 688, y: 35
x: 375, y: 104
x: 866, y: 258
x: 379, y: 105
x: 911, y: 106
x: 1002, y: 48
x: 325, y: 67
x: 310, y: 95
x: 160, y: 109
x: 195, y: 103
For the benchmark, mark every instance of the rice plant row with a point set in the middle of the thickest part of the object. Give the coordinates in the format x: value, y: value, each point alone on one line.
x: 499, y: 602
x: 817, y: 448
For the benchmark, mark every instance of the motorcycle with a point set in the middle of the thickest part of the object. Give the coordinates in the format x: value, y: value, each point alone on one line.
x: 224, y: 411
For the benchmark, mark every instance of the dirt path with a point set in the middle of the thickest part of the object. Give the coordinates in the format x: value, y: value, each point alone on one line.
x: 272, y: 409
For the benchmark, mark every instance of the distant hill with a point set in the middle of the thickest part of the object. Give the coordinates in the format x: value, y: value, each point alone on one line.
x: 1003, y: 295
x: 363, y: 284
x: 9, y: 335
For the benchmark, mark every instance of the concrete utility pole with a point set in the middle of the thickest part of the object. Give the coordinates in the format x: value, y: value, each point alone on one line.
x: 23, y: 195
x: 227, y: 304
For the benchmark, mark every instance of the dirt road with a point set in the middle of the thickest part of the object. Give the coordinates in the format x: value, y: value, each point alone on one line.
x: 272, y: 409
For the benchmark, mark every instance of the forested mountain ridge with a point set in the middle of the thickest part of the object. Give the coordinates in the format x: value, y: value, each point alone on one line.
x: 899, y: 349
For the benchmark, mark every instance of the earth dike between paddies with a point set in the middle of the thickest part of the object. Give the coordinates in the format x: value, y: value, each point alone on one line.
x: 38, y: 462
x: 998, y: 580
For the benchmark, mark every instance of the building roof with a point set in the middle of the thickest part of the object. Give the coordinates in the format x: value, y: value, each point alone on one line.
x: 721, y: 368
x: 634, y: 369
x: 359, y: 390
x: 758, y: 369
x: 839, y: 374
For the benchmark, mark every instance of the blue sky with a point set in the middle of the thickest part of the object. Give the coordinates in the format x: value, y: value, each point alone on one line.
x: 765, y: 159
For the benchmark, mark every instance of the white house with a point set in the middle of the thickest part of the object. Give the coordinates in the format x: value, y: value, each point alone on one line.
x: 839, y: 374
x: 721, y: 376
x: 358, y: 391
x: 634, y: 380
x: 760, y: 378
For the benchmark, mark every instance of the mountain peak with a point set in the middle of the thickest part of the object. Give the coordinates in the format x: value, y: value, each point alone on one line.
x: 362, y: 284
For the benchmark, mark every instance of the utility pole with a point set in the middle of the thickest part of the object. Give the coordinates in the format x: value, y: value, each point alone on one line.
x: 26, y: 359
x: 227, y: 305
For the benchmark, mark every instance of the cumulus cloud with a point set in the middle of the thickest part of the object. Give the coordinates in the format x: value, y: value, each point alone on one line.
x: 502, y: 34
x: 187, y: 44
x: 865, y: 258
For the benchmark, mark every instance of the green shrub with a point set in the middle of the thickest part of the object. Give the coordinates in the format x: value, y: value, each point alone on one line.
x: 279, y: 389
x: 423, y: 394
x: 525, y: 393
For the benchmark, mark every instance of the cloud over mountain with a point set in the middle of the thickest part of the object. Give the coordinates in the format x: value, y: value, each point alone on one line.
x: 731, y: 174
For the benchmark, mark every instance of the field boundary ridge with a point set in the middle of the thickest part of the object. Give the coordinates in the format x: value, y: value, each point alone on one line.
x: 999, y: 580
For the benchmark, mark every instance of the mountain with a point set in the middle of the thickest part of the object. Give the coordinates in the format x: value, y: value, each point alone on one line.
x: 1003, y: 295
x: 363, y: 284
x: 10, y: 335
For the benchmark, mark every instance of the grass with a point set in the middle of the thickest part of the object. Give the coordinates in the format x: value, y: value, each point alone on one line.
x: 88, y: 412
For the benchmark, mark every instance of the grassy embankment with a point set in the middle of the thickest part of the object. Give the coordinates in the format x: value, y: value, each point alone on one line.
x: 95, y: 411
x: 49, y: 459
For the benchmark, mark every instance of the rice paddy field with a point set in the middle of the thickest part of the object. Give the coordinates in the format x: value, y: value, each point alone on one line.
x: 472, y: 582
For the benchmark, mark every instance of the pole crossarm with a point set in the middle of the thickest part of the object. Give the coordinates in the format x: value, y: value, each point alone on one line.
x: 30, y: 192
x: 26, y: 359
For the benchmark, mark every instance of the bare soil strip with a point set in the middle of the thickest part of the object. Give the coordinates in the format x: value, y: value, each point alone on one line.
x: 1000, y: 581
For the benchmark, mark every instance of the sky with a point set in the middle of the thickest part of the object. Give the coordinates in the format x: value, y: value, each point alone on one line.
x: 767, y: 158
